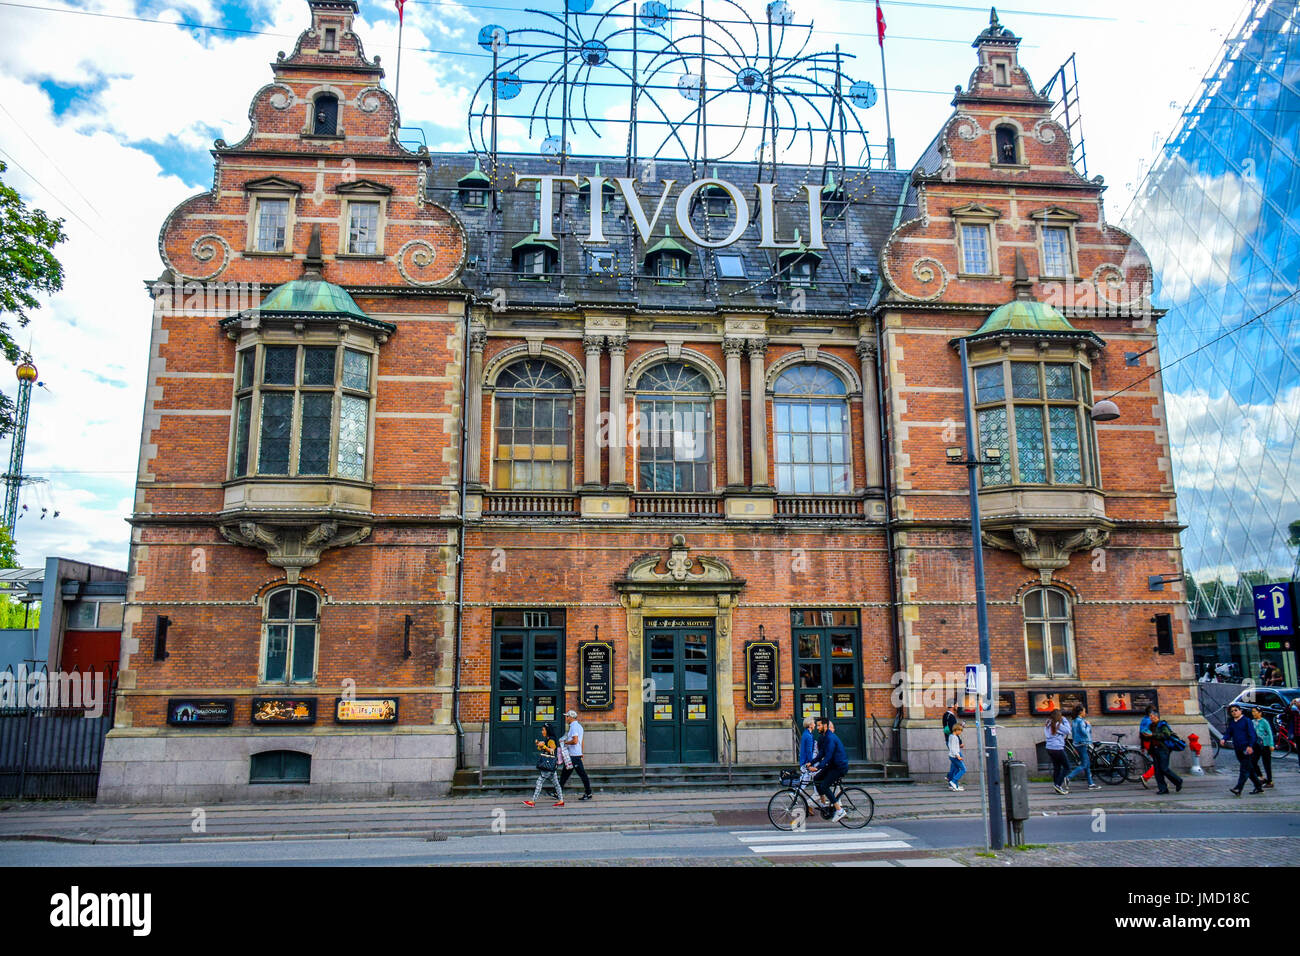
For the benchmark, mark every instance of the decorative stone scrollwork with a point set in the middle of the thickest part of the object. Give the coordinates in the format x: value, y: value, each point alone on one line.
x: 282, y: 98
x: 593, y: 343
x: 370, y: 99
x: 866, y: 349
x: 617, y: 344
x: 968, y: 127
x: 1045, y: 132
x: 1046, y: 550
x: 294, y: 546
x: 205, y: 248
x: 733, y: 346
x: 757, y: 346
x: 478, y: 339
x: 924, y: 271
x: 1108, y: 277
x: 422, y: 256
x: 682, y: 570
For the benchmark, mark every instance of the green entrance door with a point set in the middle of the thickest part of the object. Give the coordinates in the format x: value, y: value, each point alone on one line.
x: 828, y: 672
x: 679, y: 709
x: 527, y: 683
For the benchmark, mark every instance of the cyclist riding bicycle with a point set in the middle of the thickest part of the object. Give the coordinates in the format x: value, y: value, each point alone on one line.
x: 831, y: 767
x: 807, y: 750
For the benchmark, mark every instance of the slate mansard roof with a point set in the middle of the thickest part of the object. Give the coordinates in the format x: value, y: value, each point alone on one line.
x: 846, y: 276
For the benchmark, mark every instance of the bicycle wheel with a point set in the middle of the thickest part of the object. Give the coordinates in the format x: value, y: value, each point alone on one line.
x: 786, y: 810
x: 1109, y: 768
x: 858, y: 808
x: 1135, y: 765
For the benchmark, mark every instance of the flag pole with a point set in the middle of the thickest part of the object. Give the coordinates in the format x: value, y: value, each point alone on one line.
x: 401, y: 22
x: 884, y: 78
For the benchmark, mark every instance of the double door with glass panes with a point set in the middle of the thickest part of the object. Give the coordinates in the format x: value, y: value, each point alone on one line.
x: 527, y: 683
x: 679, y: 700
x: 828, y: 672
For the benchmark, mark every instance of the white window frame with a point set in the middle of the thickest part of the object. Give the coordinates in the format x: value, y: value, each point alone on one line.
x: 288, y: 680
x: 1071, y: 671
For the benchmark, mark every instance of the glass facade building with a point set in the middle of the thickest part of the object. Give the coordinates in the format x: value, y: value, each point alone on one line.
x: 1219, y: 214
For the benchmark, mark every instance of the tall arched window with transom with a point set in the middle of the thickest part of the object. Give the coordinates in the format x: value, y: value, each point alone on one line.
x: 290, y: 636
x: 674, y: 425
x: 811, y: 413
x: 534, y: 427
x: 1049, y: 637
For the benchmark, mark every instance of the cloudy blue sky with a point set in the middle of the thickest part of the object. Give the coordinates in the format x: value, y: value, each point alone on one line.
x: 108, y: 109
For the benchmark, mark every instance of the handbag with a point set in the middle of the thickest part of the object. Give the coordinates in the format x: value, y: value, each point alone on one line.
x: 546, y: 763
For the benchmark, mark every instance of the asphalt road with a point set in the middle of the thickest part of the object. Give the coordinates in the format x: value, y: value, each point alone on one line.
x: 716, y: 844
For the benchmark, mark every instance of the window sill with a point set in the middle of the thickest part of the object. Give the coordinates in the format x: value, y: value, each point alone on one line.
x: 1016, y: 166
x: 979, y: 275
x: 338, y: 137
x: 264, y: 254
x: 362, y: 256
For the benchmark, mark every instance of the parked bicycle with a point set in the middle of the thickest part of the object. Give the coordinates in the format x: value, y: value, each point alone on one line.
x: 791, y: 806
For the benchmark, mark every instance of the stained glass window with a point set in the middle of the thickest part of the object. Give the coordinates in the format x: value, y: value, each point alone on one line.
x: 989, y: 385
x: 352, y: 437
x: 318, y: 366
x: 812, y: 431
x: 243, y: 413
x: 314, y: 433
x: 279, y: 365
x: 1060, y: 381
x: 1030, y: 448
x: 993, y: 434
x: 1067, y: 465
x: 534, y: 403
x: 356, y: 370
x: 290, y: 636
x: 277, y: 424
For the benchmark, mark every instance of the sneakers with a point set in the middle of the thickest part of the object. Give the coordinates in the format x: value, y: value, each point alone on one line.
x: 952, y: 786
x: 558, y: 803
x: 1059, y: 789
x: 959, y: 788
x: 585, y: 796
x: 1234, y: 791
x: 1094, y: 786
x: 529, y: 803
x: 839, y: 815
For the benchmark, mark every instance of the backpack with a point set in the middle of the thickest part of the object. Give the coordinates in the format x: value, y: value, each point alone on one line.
x: 1171, y: 739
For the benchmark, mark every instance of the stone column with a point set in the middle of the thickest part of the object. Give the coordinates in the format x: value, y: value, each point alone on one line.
x: 617, y: 413
x: 758, y: 414
x: 474, y: 406
x: 870, y: 414
x: 592, y: 344
x: 732, y: 348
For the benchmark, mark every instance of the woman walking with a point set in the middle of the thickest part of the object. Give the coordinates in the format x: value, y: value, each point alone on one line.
x: 1081, y: 734
x: 547, y: 776
x: 1264, y: 752
x: 1056, y: 730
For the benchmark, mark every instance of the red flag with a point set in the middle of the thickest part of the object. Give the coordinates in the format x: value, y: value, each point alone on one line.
x: 880, y: 24
x: 400, y: 3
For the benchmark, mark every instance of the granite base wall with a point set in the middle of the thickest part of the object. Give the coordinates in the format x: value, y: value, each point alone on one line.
x: 197, y: 768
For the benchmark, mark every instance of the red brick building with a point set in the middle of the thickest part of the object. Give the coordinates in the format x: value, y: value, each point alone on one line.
x: 707, y: 490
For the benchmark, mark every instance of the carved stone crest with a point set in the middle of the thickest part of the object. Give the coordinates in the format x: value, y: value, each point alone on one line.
x: 294, y: 546
x: 682, y: 570
x: 1046, y: 550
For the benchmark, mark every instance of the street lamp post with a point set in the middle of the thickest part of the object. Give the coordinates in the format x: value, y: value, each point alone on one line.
x: 989, y: 743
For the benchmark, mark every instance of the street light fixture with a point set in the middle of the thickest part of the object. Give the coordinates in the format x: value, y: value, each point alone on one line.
x: 1105, y: 411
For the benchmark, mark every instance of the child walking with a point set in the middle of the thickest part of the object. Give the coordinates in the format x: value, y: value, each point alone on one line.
x: 956, y: 765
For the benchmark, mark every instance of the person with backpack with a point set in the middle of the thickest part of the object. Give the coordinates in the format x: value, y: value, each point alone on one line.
x: 1160, y: 740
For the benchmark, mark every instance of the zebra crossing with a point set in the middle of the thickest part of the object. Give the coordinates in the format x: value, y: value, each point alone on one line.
x: 827, y: 841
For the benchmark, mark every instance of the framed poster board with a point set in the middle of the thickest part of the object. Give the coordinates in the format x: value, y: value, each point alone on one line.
x: 367, y: 710
x: 284, y: 710
x: 1043, y: 702
x: 1006, y: 704
x: 197, y: 712
x: 595, y: 675
x: 1129, y: 700
x: 762, y: 674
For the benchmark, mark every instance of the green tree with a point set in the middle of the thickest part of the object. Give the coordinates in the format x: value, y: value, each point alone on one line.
x: 28, y: 268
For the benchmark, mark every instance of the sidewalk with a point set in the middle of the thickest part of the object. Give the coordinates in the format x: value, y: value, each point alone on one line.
x: 438, y: 819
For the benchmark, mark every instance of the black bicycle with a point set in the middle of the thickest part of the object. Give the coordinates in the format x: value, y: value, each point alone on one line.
x: 791, y: 806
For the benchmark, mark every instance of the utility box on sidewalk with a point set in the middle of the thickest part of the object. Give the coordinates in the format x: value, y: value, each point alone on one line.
x: 1015, y: 777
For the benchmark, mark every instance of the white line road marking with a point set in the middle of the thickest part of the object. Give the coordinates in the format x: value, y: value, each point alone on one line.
x: 833, y: 847
x: 768, y: 836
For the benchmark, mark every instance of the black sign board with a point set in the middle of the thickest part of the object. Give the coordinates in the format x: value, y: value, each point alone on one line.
x: 679, y: 622
x: 365, y: 710
x: 595, y: 675
x: 762, y: 674
x: 194, y: 712
x: 1006, y: 704
x: 284, y: 710
x: 1129, y: 700
x: 1043, y: 702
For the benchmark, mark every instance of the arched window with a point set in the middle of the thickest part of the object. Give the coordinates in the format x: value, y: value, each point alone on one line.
x: 674, y: 404
x: 1038, y: 415
x: 290, y: 632
x: 1008, y: 150
x: 534, y: 414
x: 811, y: 414
x: 1049, y: 638
x: 325, y: 115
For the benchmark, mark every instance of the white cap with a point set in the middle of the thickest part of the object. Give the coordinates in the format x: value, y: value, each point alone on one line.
x: 572, y: 713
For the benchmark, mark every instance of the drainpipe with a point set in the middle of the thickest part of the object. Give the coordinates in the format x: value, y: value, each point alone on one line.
x: 460, y: 534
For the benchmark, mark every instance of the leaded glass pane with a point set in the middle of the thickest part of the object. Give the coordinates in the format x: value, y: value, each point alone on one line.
x: 809, y: 380
x: 304, y: 651
x: 245, y: 363
x: 674, y: 453
x: 314, y: 434
x: 277, y: 651
x: 352, y: 437
x: 1060, y: 381
x: 363, y: 228
x: 280, y: 365
x: 277, y: 420
x: 1024, y: 380
x: 975, y: 249
x: 992, y: 424
x: 673, y: 377
x: 989, y: 385
x: 318, y: 366
x: 534, y: 375
x: 242, y: 414
x: 1030, y: 448
x: 1067, y: 468
x: 356, y: 370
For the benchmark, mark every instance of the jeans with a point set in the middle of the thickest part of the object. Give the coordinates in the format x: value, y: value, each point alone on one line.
x: 1060, y: 766
x: 582, y: 774
x: 956, y: 769
x: 1264, y: 756
x: 1246, y: 769
x: 1160, y: 754
x: 826, y: 779
x: 1085, y: 765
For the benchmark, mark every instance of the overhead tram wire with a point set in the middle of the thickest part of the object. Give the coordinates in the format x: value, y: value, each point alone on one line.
x: 90, y: 205
x: 53, y: 195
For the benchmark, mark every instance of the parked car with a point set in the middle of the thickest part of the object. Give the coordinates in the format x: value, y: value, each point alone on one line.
x: 1270, y: 700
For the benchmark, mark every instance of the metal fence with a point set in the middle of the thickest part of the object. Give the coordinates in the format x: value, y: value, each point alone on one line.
x: 51, y: 753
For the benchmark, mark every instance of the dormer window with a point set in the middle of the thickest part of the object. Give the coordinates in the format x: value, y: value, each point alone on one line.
x: 717, y: 201
x: 474, y: 187
x: 803, y: 272
x: 534, y: 258
x: 799, y: 265
x: 606, y: 195
x: 1007, y: 146
x: 331, y: 42
x: 1000, y: 74
x: 667, y: 260
x: 670, y: 267
x: 325, y: 115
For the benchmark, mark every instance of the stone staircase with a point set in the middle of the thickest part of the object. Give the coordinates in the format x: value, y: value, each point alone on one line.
x: 663, y: 777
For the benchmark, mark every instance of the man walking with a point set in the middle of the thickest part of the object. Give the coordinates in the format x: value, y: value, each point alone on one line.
x: 1158, y: 748
x: 573, y: 741
x: 1240, y: 734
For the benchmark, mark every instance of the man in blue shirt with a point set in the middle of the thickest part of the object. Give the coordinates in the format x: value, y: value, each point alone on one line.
x: 832, y: 766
